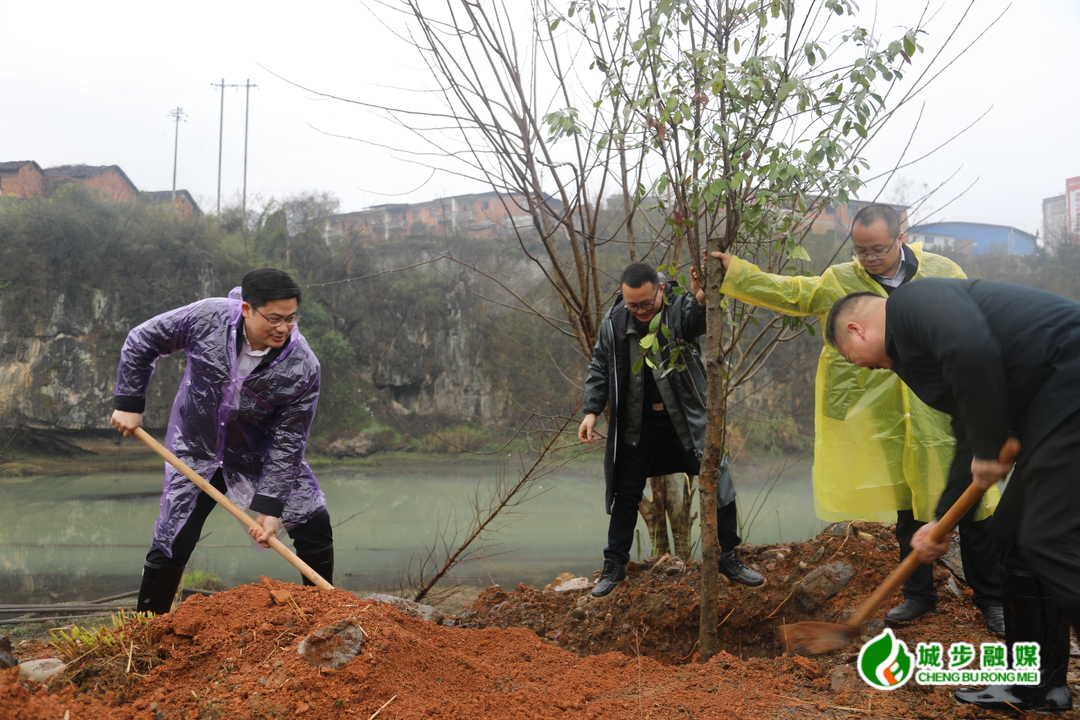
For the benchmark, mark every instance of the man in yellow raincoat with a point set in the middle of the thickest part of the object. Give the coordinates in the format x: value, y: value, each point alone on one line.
x: 880, y: 454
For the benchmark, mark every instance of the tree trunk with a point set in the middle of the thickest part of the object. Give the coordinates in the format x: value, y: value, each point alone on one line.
x: 671, y: 507
x: 680, y: 508
x: 655, y: 513
x: 710, y: 463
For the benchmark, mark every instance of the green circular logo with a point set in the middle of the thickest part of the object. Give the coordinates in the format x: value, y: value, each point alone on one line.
x: 885, y: 662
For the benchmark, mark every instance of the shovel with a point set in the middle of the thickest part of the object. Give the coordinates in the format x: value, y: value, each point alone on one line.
x: 229, y: 505
x: 813, y: 638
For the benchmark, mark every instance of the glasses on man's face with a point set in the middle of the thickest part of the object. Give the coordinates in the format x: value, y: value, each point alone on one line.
x: 640, y: 307
x: 635, y: 308
x: 275, y: 320
x: 874, y: 253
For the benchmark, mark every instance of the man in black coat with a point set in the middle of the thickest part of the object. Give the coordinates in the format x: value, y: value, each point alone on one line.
x: 1003, y: 360
x: 657, y: 424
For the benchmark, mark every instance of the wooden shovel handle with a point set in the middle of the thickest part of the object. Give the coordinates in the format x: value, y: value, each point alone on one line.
x: 305, y: 569
x: 944, y: 526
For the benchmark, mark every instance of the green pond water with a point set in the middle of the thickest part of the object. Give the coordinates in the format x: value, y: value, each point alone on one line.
x: 81, y: 537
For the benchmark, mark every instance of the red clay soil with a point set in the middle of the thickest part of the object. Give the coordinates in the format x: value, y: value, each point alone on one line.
x: 528, y: 653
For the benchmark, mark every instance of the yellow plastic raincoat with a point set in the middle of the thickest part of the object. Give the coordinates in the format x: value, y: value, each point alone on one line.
x: 877, y: 447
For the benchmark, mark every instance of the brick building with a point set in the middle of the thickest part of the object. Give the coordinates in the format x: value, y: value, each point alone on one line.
x: 183, y: 202
x: 24, y: 179
x: 489, y: 214
x: 109, y: 181
x: 835, y: 220
x: 21, y: 179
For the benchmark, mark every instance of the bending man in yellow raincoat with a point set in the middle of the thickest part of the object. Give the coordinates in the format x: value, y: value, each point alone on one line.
x: 880, y: 454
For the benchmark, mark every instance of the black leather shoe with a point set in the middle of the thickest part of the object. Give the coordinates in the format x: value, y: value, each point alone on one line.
x: 1055, y: 699
x: 732, y: 565
x: 995, y: 620
x: 612, y: 574
x: 908, y: 612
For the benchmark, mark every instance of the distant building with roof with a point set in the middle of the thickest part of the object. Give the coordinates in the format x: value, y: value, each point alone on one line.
x: 967, y: 239
x: 109, y: 181
x: 25, y: 179
x: 1055, y: 220
x: 181, y: 200
x: 489, y: 214
x: 834, y: 219
x: 21, y: 179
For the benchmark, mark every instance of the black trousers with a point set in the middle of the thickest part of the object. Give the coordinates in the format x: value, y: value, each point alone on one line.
x: 1037, y: 523
x: 309, y: 537
x: 658, y: 452
x: 978, y: 552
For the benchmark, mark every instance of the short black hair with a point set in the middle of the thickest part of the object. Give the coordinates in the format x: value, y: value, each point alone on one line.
x: 637, y: 274
x: 840, y: 310
x: 265, y: 285
x: 873, y: 213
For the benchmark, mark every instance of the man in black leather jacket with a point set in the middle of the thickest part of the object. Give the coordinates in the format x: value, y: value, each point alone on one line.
x: 657, y: 422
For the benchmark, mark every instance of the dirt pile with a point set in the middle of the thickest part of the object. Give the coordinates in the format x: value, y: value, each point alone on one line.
x: 527, y: 653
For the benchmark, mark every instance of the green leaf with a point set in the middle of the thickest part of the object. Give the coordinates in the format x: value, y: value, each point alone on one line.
x: 785, y: 89
x: 909, y: 44
x: 798, y: 253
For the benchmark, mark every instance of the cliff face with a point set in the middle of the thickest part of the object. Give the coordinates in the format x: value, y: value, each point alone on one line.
x: 430, y: 338
x: 425, y: 355
x: 420, y: 337
x: 58, y: 370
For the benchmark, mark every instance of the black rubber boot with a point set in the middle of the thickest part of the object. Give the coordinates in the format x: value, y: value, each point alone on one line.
x: 159, y: 586
x: 1030, y: 616
x: 321, y: 562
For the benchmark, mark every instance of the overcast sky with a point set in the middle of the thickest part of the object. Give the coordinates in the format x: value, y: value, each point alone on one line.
x: 94, y: 83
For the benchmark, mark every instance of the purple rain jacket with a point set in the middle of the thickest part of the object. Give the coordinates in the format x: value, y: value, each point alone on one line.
x: 253, y: 427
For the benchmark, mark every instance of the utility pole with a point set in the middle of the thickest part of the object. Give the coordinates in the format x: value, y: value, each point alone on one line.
x: 175, y: 115
x: 221, y: 139
x: 247, y: 108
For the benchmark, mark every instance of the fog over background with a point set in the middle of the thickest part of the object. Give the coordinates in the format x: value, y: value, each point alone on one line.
x: 95, y: 83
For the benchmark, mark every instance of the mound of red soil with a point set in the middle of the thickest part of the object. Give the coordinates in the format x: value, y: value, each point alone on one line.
x: 523, y: 654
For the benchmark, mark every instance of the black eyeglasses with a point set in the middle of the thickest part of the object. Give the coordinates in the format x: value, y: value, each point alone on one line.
x: 275, y: 320
x: 874, y: 255
x: 635, y: 307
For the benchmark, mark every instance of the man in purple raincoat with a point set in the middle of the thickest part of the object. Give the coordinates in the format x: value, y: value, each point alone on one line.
x: 241, y: 417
